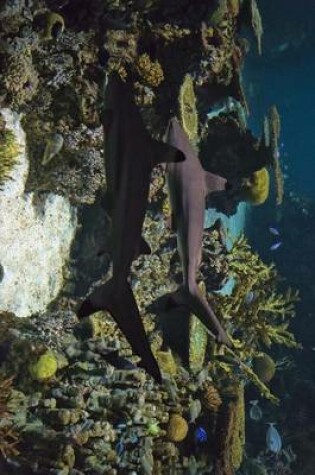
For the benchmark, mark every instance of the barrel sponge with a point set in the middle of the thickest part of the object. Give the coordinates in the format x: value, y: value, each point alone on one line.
x: 256, y: 190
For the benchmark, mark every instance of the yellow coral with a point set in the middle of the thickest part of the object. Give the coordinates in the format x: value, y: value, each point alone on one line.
x: 187, y: 108
x: 177, y: 428
x: 256, y: 190
x: 150, y: 71
x: 166, y: 362
x: 45, y: 367
x: 54, y: 25
x: 211, y: 399
x: 238, y: 429
x: 9, y: 150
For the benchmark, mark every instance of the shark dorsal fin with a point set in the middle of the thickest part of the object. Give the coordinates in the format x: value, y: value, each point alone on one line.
x: 214, y: 182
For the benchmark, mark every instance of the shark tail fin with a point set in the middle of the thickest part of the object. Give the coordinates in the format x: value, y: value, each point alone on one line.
x: 165, y: 153
x: 122, y: 306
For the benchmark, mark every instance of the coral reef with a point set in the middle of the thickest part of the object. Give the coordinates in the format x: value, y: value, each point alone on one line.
x: 187, y: 108
x: 257, y: 311
x: 45, y: 367
x: 9, y: 151
x: 88, y: 408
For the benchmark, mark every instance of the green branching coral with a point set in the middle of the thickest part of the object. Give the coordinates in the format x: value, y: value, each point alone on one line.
x: 256, y: 309
x: 9, y: 150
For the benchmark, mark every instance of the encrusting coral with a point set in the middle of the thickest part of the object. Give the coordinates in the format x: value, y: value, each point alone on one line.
x: 187, y: 108
x: 256, y: 188
x: 45, y: 367
x: 8, y: 436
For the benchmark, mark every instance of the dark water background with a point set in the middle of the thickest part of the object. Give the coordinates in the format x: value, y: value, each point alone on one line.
x: 285, y: 75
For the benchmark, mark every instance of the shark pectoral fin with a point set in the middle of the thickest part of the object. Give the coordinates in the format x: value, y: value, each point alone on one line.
x: 214, y: 182
x: 165, y: 153
x: 144, y: 247
x: 106, y: 118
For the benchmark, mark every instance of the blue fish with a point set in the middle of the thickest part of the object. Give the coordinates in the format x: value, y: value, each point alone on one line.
x: 120, y: 447
x: 201, y: 435
x: 273, y: 439
x: 275, y: 246
x: 274, y: 231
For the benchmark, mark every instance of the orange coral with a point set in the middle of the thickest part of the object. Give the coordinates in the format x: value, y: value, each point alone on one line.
x: 211, y: 399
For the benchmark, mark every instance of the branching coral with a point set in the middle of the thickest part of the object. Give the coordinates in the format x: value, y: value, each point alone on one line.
x: 256, y: 310
x: 150, y: 71
x: 8, y: 436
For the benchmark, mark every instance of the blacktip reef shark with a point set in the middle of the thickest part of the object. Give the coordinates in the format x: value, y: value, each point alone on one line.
x: 130, y: 155
x: 189, y: 185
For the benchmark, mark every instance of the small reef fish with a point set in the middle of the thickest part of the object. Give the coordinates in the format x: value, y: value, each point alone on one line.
x: 273, y: 439
x: 274, y: 231
x: 255, y: 412
x: 200, y: 435
x: 194, y: 409
x: 275, y: 246
x: 249, y: 297
x: 53, y: 146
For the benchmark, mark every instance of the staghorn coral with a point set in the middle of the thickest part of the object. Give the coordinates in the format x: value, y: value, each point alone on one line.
x: 9, y: 151
x: 261, y: 320
x: 187, y: 108
x: 256, y: 188
x: 177, y: 429
x: 8, y: 436
x: 150, y: 71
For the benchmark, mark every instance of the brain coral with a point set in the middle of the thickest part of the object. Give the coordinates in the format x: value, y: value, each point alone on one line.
x: 177, y: 428
x: 264, y: 367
